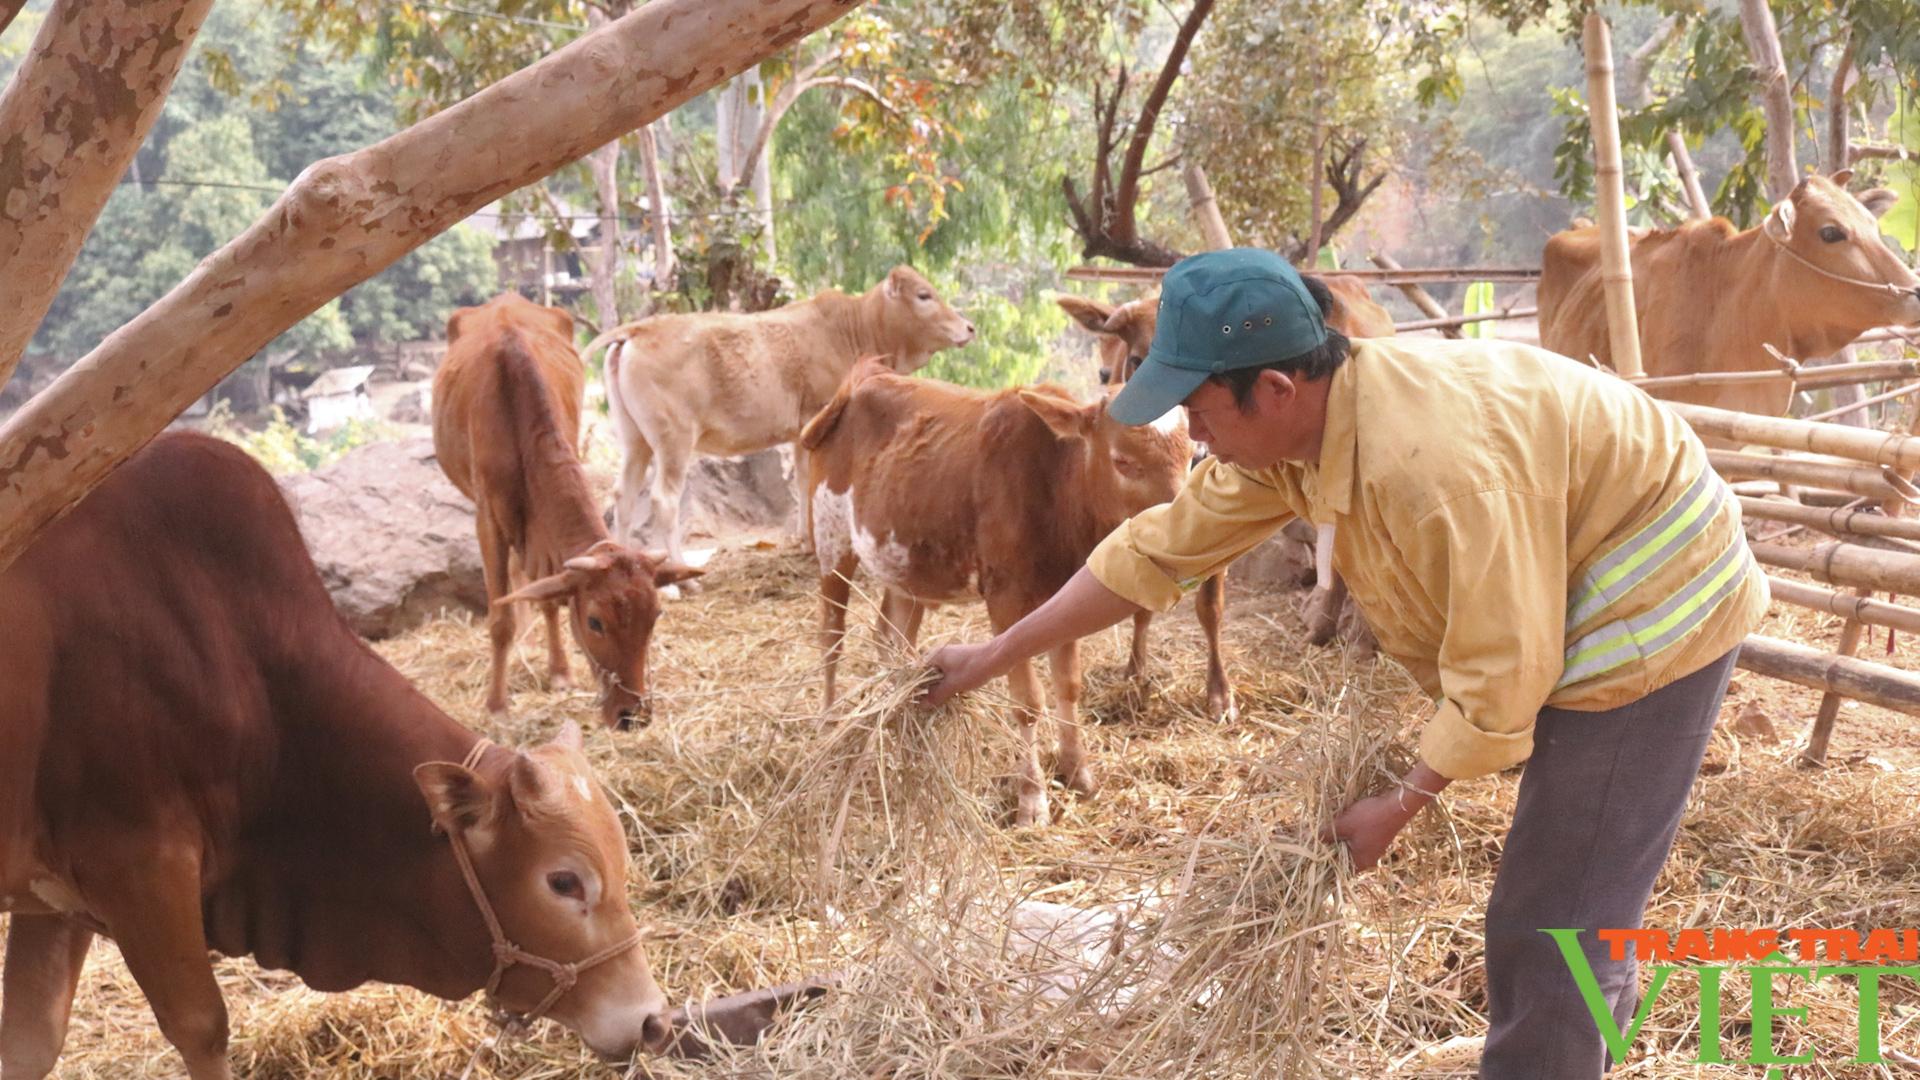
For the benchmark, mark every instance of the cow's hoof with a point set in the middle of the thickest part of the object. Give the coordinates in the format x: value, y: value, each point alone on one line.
x: 1080, y: 780
x: 1031, y: 811
x: 559, y: 681
x: 1222, y: 707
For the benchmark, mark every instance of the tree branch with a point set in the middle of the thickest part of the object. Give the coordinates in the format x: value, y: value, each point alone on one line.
x: 346, y: 218
x: 784, y: 101
x: 1128, y: 194
x: 76, y: 111
x: 1837, y: 136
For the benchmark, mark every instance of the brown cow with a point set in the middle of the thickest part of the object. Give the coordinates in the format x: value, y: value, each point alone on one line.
x: 1125, y: 333
x: 726, y: 384
x: 942, y: 493
x: 196, y: 752
x: 1809, y: 279
x: 506, y: 424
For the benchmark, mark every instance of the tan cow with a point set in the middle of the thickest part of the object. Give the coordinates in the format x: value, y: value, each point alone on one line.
x: 726, y: 384
x: 197, y: 753
x: 1125, y: 332
x: 1809, y: 279
x: 506, y: 425
x: 943, y: 493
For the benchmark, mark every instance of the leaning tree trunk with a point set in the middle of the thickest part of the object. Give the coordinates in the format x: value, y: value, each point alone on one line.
x: 74, y: 114
x: 1776, y: 96
x: 657, y: 209
x: 348, y: 217
x: 604, y: 163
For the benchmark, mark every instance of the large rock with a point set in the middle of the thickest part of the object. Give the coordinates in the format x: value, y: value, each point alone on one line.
x: 393, y: 538
x: 727, y: 498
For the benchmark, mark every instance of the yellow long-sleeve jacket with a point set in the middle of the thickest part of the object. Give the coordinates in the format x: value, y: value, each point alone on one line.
x: 1519, y: 530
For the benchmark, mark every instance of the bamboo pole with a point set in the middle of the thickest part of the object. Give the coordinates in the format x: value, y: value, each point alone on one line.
x: 1616, y: 273
x: 1462, y: 320
x: 1822, y: 730
x: 1857, y: 608
x: 1811, y: 437
x: 1206, y: 208
x: 1839, y: 563
x: 1874, y: 400
x: 1858, y: 479
x: 1804, y: 378
x: 1436, y: 315
x: 1697, y: 206
x: 1875, y: 684
x: 1840, y: 522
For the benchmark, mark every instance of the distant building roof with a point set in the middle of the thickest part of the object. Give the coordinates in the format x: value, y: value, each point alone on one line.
x: 340, y: 380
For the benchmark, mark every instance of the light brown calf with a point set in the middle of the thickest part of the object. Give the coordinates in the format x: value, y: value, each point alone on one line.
x: 942, y: 493
x: 726, y: 384
x: 506, y: 427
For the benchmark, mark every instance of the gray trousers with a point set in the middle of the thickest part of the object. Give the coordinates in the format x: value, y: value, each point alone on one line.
x: 1599, y: 805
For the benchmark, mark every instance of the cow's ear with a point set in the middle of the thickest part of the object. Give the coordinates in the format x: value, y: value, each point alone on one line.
x: 1090, y: 314
x: 1879, y: 200
x: 453, y: 325
x: 1116, y: 323
x: 893, y: 284
x: 551, y: 587
x: 1780, y: 219
x: 531, y: 781
x: 456, y: 796
x: 569, y: 737
x: 1841, y: 177
x: 562, y: 322
x: 1067, y: 418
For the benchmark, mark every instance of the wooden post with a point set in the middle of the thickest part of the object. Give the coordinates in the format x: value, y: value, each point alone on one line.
x: 1206, y: 209
x: 346, y: 218
x: 1821, y: 733
x: 1421, y: 298
x: 1826, y: 476
x: 1697, y: 206
x: 1839, y: 522
x: 1616, y: 275
x: 1847, y: 606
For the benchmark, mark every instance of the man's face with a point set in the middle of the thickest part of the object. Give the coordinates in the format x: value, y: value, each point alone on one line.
x: 1271, y: 429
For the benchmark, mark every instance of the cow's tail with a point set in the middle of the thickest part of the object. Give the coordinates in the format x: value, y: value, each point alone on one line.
x: 624, y: 423
x: 821, y: 426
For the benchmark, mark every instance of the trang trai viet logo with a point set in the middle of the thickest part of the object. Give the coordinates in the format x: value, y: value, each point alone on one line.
x: 1767, y: 960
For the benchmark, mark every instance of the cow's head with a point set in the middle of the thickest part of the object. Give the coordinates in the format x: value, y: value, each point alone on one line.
x: 914, y: 323
x: 1125, y: 332
x: 1836, y: 236
x: 552, y: 861
x: 1128, y: 468
x: 517, y: 309
x: 613, y: 596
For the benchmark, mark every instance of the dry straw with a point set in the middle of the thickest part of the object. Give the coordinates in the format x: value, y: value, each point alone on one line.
x: 1187, y: 921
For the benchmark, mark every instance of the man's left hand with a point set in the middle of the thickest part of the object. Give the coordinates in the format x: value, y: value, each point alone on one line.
x: 1369, y: 826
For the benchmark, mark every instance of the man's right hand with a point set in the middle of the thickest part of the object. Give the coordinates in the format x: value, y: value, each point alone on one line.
x: 962, y: 668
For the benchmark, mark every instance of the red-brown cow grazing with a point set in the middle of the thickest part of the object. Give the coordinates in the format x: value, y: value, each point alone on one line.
x: 942, y: 493
x: 196, y: 752
x: 506, y: 421
x: 1711, y: 299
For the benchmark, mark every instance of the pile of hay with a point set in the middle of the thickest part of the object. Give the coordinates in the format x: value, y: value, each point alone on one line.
x: 1187, y: 921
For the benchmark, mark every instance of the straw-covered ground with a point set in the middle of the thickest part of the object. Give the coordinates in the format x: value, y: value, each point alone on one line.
x: 1186, y: 921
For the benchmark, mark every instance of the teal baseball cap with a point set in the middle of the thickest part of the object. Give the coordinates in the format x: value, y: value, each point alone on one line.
x: 1219, y: 311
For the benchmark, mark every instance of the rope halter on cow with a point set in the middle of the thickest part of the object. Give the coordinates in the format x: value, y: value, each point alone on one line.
x: 1767, y: 228
x: 505, y: 953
